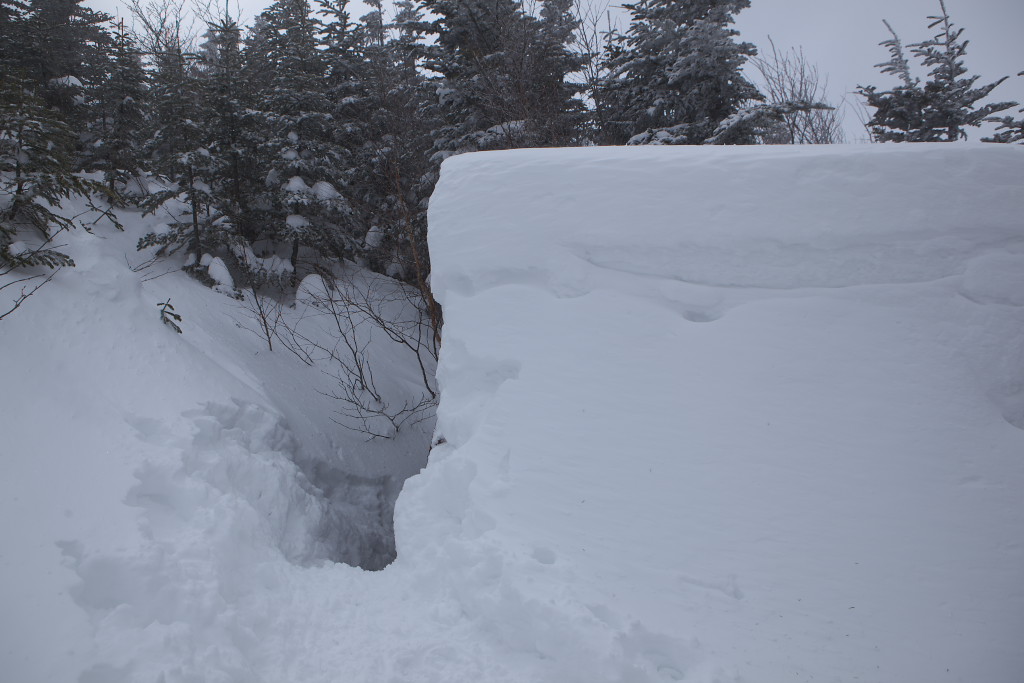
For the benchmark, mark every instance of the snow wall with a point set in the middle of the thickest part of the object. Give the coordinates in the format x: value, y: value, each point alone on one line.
x: 731, y: 414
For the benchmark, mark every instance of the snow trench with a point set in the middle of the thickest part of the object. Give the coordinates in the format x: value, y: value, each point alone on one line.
x: 235, y: 494
x: 226, y: 519
x: 242, y: 473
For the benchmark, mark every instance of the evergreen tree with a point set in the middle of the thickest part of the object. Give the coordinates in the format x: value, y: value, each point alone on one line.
x: 1010, y: 129
x: 675, y: 76
x: 504, y: 75
x: 121, y: 105
x: 36, y: 174
x: 230, y: 128
x: 13, y: 35
x: 941, y: 108
x: 305, y: 165
x: 953, y: 99
x: 178, y: 155
x: 560, y: 115
x: 394, y: 118
x: 66, y: 54
x: 899, y: 112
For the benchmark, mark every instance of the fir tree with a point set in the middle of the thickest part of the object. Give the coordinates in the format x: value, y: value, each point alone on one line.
x: 305, y: 164
x: 953, y: 99
x: 66, y: 54
x: 899, y: 112
x: 230, y: 127
x: 36, y: 174
x: 121, y: 106
x: 675, y: 76
x: 1009, y: 129
x: 13, y: 35
x: 504, y: 75
x: 176, y: 148
x: 940, y: 109
x: 391, y: 110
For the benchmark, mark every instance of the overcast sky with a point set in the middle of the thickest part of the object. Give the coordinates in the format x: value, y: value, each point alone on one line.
x: 842, y: 36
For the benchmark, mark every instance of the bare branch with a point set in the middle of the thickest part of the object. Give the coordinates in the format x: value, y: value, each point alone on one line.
x: 788, y: 77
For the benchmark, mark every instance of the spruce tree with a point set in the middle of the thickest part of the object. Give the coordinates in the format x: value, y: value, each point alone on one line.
x: 504, y: 75
x: 122, y: 117
x: 305, y: 164
x: 36, y: 174
x: 899, y: 112
x: 675, y: 75
x: 13, y: 35
x: 178, y: 155
x: 230, y: 128
x: 66, y: 55
x: 953, y: 98
x: 942, y: 107
x: 1009, y: 129
x: 389, y: 107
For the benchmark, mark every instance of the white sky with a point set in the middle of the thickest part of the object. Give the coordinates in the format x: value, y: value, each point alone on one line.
x: 842, y: 36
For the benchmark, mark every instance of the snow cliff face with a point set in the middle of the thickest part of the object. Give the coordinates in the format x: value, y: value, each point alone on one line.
x: 749, y: 414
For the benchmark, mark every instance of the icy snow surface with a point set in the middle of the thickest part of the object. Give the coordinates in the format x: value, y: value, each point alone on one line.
x: 709, y: 415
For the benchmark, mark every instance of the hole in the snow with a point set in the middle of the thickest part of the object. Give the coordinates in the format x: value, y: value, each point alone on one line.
x: 358, y: 524
x: 702, y: 316
x: 356, y: 512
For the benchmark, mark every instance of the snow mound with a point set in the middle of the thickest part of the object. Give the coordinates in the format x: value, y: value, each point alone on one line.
x: 763, y: 405
x: 218, y: 271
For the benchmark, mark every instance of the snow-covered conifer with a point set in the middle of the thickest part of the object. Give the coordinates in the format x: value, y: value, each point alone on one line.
x: 1009, y: 129
x: 230, y: 127
x: 504, y: 74
x: 178, y: 154
x: 65, y: 51
x: 942, y: 107
x: 675, y: 75
x: 305, y: 164
x: 121, y: 110
x: 36, y: 174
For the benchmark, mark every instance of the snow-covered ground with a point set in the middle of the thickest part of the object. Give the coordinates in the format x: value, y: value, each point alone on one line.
x: 711, y: 415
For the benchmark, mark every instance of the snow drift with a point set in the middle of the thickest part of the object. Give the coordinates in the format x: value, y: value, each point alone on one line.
x: 709, y: 415
x: 762, y: 405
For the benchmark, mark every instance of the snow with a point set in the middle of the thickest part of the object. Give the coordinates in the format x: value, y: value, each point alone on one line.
x: 710, y: 415
x: 218, y: 270
x: 70, y: 81
x: 158, y: 487
x: 374, y: 237
x: 270, y: 264
x: 325, y: 191
x: 763, y: 406
x: 296, y: 185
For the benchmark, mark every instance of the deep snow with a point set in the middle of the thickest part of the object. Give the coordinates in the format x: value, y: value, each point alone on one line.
x: 764, y: 404
x: 742, y: 414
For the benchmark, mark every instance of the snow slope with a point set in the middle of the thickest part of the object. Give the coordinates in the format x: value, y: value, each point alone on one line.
x: 709, y: 415
x: 156, y: 485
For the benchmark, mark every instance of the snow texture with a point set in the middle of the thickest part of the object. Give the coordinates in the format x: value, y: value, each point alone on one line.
x: 297, y: 185
x: 764, y: 406
x: 218, y: 271
x: 707, y: 415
